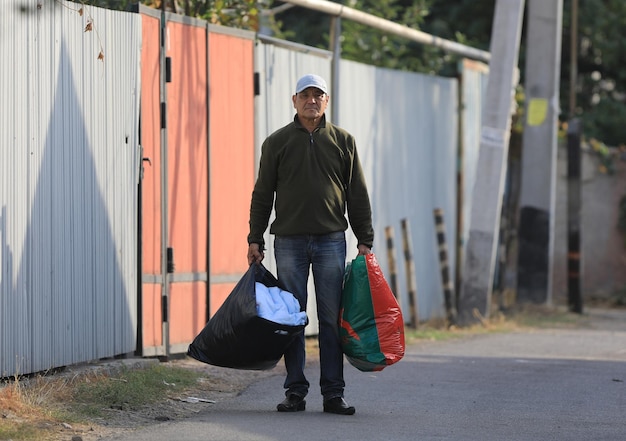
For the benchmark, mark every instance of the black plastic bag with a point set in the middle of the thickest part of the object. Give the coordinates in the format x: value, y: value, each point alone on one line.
x: 236, y: 337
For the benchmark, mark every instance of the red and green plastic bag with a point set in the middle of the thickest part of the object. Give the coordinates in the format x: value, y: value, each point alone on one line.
x: 371, y: 326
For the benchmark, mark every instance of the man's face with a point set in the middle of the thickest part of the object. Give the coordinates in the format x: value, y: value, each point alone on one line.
x: 310, y: 103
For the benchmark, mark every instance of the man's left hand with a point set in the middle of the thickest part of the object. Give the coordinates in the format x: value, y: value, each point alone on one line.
x: 364, y: 249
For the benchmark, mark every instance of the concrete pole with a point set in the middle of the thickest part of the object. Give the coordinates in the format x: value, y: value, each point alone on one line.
x: 539, y: 152
x: 476, y: 287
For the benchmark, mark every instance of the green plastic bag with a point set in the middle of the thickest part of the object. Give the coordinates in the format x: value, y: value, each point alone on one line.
x: 371, y: 326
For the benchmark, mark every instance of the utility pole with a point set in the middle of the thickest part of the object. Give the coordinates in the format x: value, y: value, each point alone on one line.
x: 573, y: 66
x: 477, y: 284
x: 574, y: 205
x: 574, y: 184
x: 539, y: 152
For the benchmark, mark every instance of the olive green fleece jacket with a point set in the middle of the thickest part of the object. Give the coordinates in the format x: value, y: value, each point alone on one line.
x: 314, y: 178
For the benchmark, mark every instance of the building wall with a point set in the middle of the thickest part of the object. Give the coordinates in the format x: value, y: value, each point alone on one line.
x: 602, y: 245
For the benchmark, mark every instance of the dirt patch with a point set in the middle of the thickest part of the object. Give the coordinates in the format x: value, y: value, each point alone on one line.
x: 215, y: 384
x: 36, y: 408
x: 44, y: 417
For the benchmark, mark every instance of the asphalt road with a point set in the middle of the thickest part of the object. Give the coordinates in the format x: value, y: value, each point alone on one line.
x: 557, y: 384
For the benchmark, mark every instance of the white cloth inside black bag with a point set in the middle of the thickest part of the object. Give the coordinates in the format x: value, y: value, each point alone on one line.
x: 279, y: 306
x: 238, y: 337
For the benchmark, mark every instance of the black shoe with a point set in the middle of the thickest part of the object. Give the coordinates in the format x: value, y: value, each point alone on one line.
x: 339, y: 406
x: 293, y: 403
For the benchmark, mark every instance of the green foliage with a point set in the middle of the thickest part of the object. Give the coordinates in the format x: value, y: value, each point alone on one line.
x: 118, y: 5
x: 375, y: 47
x: 242, y: 14
x: 605, y: 121
x: 467, y: 21
x: 303, y: 25
x: 368, y: 45
x: 601, y: 83
x: 605, y: 155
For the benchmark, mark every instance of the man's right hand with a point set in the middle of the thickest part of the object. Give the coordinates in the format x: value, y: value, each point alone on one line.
x: 255, y: 255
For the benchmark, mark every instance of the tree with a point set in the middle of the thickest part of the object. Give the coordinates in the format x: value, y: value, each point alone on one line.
x: 364, y: 44
x: 373, y: 46
x: 242, y: 14
x: 601, y: 84
x: 447, y: 19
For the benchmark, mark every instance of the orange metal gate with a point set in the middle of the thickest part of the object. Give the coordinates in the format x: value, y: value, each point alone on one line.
x: 231, y: 70
x: 187, y: 165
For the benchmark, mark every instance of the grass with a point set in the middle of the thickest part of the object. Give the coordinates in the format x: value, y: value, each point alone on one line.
x: 16, y: 405
x: 129, y: 390
x: 541, y: 317
x: 515, y: 319
x: 36, y: 408
x: 24, y: 410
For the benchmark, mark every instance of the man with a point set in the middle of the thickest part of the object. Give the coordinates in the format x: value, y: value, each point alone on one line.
x: 312, y: 169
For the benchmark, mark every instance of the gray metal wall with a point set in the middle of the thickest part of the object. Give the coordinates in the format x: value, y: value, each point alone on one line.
x: 406, y: 128
x: 69, y: 162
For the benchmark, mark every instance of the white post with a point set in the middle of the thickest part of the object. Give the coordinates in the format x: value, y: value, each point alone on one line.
x: 539, y: 159
x: 476, y: 286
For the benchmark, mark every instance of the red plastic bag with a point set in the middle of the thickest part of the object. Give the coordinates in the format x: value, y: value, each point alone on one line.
x: 371, y: 322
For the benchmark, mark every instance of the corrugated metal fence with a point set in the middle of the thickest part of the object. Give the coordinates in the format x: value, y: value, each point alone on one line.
x: 84, y: 249
x: 69, y: 173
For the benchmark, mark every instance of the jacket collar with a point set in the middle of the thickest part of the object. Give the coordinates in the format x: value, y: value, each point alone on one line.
x: 299, y: 125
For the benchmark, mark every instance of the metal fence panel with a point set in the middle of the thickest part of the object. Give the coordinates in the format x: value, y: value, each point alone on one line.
x: 69, y: 156
x: 406, y: 127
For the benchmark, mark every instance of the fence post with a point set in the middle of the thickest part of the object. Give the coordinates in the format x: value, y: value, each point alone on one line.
x: 410, y: 274
x: 448, y: 289
x: 392, y: 261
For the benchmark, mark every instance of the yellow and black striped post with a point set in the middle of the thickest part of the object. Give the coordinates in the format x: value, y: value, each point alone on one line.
x: 448, y: 287
x: 393, y: 274
x: 410, y: 274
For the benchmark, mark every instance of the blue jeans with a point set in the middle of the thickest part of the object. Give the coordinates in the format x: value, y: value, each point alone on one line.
x: 326, y: 254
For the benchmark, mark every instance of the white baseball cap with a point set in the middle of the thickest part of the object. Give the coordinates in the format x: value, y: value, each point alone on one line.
x: 311, y: 80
